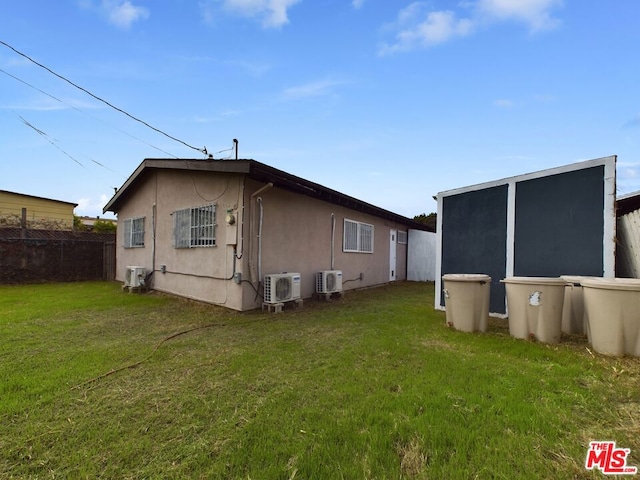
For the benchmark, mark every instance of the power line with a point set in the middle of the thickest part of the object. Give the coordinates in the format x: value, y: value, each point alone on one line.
x: 49, y: 139
x: 202, y: 150
x: 85, y: 113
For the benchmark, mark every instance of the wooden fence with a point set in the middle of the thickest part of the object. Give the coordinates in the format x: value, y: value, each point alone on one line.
x: 34, y: 256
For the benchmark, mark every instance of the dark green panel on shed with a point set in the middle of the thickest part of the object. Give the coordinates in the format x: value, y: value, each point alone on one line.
x: 474, y: 236
x: 559, y: 224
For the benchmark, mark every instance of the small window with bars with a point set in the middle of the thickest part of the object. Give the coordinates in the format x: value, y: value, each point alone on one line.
x: 134, y: 232
x: 194, y: 227
x: 358, y: 237
x: 402, y: 237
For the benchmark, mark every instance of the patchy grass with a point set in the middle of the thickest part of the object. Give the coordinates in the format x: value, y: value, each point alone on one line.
x: 96, y: 383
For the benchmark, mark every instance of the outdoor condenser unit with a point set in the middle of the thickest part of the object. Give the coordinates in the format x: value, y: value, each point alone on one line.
x: 281, y: 287
x: 329, y: 281
x: 134, y: 276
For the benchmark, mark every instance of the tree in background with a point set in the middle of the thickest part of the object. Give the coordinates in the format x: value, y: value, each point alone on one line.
x: 78, y: 226
x: 429, y: 220
x: 99, y: 226
x: 104, y: 226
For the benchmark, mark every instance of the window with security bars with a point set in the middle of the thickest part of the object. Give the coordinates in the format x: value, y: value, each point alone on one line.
x: 134, y: 232
x: 194, y: 227
x: 402, y: 238
x: 358, y: 237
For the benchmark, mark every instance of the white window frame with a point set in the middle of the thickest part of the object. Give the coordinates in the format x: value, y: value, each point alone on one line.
x: 357, y: 237
x: 402, y: 237
x: 195, y: 227
x: 134, y: 232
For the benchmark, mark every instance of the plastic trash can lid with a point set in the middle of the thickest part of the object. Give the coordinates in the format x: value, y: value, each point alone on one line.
x: 632, y: 284
x: 466, y: 277
x: 535, y: 280
x: 576, y: 279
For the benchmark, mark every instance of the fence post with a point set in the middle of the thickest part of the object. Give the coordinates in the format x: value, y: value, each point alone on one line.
x: 23, y: 223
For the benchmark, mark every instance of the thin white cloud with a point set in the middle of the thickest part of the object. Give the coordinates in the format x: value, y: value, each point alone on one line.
x: 124, y: 14
x: 121, y: 13
x: 504, y: 103
x: 519, y: 158
x: 523, y: 102
x: 253, y: 68
x: 633, y: 122
x: 536, y: 14
x: 271, y: 13
x: 544, y: 98
x: 357, y: 3
x: 418, y: 26
x: 50, y: 104
x: 312, y: 89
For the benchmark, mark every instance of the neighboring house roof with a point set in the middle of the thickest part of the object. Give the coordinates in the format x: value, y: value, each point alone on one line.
x: 627, y: 203
x: 261, y: 173
x: 39, y: 198
x: 90, y: 221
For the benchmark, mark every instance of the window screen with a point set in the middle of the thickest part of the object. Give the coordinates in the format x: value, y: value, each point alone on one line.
x: 358, y: 237
x: 134, y: 232
x: 194, y: 227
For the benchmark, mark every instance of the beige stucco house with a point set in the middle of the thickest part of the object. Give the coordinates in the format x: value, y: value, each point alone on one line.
x: 212, y: 230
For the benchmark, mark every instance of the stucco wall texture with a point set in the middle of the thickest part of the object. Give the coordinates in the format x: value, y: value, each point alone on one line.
x: 292, y: 232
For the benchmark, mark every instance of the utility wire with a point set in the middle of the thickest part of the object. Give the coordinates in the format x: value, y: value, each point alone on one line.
x: 52, y: 141
x: 85, y: 113
x: 48, y: 139
x: 226, y: 150
x: 202, y: 150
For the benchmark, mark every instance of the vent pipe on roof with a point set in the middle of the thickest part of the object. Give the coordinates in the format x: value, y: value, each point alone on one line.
x: 235, y: 143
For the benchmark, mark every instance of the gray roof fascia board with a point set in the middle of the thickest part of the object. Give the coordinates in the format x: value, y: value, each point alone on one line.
x: 305, y: 187
x: 264, y: 173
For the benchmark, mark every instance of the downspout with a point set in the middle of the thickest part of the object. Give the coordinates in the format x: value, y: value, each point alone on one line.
x: 333, y: 234
x: 153, y: 226
x: 252, y: 266
x: 154, y: 211
x: 241, y: 202
x: 259, y: 200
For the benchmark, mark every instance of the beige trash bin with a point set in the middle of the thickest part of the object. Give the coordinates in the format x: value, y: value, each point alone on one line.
x: 573, y: 319
x: 535, y: 305
x: 612, y: 306
x: 466, y: 299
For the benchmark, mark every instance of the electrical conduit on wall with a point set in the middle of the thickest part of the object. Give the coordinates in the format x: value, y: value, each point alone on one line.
x: 333, y: 234
x: 252, y: 263
x: 259, y: 200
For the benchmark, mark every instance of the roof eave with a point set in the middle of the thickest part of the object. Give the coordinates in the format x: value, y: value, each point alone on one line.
x: 263, y: 173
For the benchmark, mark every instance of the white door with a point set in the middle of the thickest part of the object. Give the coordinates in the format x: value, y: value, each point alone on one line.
x: 393, y: 238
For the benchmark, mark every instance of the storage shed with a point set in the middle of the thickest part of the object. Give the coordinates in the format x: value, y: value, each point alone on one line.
x: 628, y: 236
x: 549, y: 223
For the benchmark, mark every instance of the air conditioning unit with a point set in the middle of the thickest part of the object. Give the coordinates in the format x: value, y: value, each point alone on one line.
x: 281, y: 287
x: 329, y: 281
x: 134, y: 276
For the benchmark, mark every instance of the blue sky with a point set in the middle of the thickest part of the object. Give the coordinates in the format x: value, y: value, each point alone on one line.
x: 387, y: 101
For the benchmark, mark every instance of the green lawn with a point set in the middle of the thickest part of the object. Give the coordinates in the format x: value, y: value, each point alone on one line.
x: 370, y: 386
